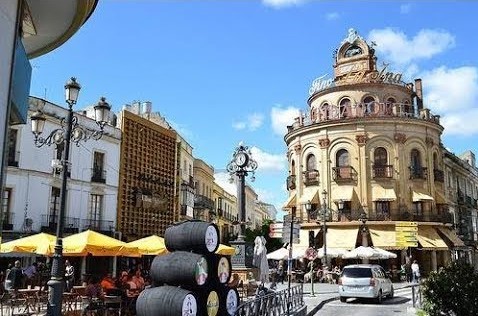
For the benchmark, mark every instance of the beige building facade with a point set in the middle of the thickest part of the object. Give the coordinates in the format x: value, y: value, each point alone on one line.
x: 225, y: 212
x: 372, y: 147
x: 204, y: 184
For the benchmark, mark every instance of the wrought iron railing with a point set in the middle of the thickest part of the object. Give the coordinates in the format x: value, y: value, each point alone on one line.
x: 70, y: 224
x: 291, y: 182
x: 201, y: 201
x: 438, y: 175
x: 98, y: 225
x: 277, y: 303
x: 383, y: 172
x: 417, y: 172
x: 98, y: 175
x: 311, y: 177
x: 346, y: 173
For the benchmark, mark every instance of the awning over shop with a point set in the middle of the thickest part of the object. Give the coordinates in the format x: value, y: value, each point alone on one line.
x: 290, y: 201
x: 343, y: 237
x: 380, y: 193
x: 343, y: 193
x: 310, y: 194
x: 429, y: 238
x: 451, y: 235
x: 384, y: 237
x: 420, y: 196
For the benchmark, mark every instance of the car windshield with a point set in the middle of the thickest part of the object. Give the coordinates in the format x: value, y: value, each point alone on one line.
x: 357, y: 273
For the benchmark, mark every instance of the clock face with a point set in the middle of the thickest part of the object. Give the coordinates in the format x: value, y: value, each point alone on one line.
x: 241, y: 159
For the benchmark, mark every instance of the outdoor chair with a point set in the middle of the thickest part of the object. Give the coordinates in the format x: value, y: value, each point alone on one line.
x: 112, y: 305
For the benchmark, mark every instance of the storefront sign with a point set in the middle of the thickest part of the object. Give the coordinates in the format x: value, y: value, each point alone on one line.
x: 375, y: 76
x: 320, y: 84
x: 406, y: 234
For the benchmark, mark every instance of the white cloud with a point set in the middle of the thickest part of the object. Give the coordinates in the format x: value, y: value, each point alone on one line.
x: 283, y: 3
x: 448, y: 90
x: 282, y: 117
x: 182, y: 130
x: 398, y: 48
x: 332, y: 16
x: 252, y: 123
x: 265, y: 195
x: 267, y: 161
x: 453, y: 93
x: 405, y: 8
x: 222, y: 179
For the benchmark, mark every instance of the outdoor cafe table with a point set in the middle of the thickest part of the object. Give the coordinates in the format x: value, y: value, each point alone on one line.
x: 30, y: 299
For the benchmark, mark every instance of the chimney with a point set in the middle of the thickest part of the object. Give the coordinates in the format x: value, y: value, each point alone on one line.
x: 419, y: 93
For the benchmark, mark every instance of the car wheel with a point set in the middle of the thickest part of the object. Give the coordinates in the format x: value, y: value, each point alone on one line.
x: 343, y: 299
x: 391, y: 292
x: 379, y: 298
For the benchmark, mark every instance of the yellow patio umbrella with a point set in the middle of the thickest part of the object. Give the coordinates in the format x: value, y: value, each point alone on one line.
x: 151, y: 245
x: 225, y: 250
x: 96, y: 244
x: 41, y: 244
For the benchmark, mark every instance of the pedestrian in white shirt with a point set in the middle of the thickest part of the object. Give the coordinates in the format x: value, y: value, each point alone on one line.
x: 415, y: 271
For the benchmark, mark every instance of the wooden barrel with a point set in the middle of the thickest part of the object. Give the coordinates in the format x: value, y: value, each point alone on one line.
x: 229, y: 301
x: 208, y: 302
x: 198, y: 236
x: 166, y: 301
x: 187, y: 269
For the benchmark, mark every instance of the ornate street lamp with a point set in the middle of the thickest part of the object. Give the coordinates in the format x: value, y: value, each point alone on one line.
x: 240, y: 167
x: 70, y: 131
x: 363, y: 228
x: 324, y: 225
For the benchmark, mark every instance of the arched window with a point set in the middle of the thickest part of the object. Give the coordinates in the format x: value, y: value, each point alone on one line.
x: 292, y: 172
x: 311, y: 163
x: 435, y: 161
x: 381, y: 169
x: 291, y: 179
x: 344, y: 107
x: 342, y: 158
x: 324, y: 112
x: 380, y: 156
x: 369, y: 103
x: 313, y: 115
x: 416, y: 170
x: 408, y: 108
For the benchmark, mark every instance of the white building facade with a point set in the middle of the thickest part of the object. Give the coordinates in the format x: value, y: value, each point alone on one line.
x: 32, y: 191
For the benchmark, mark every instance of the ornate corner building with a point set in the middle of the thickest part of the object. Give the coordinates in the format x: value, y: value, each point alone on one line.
x: 372, y: 145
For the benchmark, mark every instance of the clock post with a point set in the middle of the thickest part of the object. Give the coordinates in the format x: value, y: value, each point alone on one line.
x: 239, y: 168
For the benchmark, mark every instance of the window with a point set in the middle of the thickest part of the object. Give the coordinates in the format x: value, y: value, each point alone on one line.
x: 292, y: 172
x: 310, y: 163
x: 380, y: 156
x: 12, y: 148
x: 418, y: 208
x: 98, y: 174
x: 416, y: 164
x: 382, y: 208
x: 344, y: 107
x: 324, y: 112
x: 435, y: 161
x: 96, y: 204
x: 7, y: 197
x: 342, y: 158
x: 54, y: 205
x: 59, y: 150
x: 369, y: 103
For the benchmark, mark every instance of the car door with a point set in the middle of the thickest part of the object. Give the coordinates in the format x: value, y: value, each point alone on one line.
x: 386, y: 283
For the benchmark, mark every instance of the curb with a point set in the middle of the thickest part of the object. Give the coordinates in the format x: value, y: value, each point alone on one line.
x: 321, y: 304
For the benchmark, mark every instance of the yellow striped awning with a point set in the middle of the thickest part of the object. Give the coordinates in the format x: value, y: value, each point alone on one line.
x: 291, y: 201
x: 429, y: 239
x: 342, y: 237
x: 451, y: 235
x: 380, y: 193
x: 384, y: 237
x: 310, y: 194
x: 343, y: 193
x: 420, y: 196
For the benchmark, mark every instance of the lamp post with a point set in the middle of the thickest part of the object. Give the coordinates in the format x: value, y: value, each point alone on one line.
x: 324, y: 225
x: 363, y: 218
x: 70, y: 131
x: 240, y: 167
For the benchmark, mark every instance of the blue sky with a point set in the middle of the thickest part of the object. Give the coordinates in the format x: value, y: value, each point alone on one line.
x: 227, y: 71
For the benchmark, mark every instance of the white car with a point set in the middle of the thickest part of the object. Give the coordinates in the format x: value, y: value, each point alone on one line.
x: 364, y: 281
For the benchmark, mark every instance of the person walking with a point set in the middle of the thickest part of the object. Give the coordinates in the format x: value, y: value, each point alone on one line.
x: 16, y: 276
x: 415, y: 271
x: 69, y: 276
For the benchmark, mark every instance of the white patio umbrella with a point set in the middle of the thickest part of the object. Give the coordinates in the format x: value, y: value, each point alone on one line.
x: 279, y: 254
x: 385, y: 254
x: 362, y: 252
x: 331, y: 252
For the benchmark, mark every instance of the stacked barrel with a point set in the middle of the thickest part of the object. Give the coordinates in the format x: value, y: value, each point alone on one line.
x: 191, y: 279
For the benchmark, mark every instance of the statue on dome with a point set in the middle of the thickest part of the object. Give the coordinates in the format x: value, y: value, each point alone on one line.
x: 352, y: 36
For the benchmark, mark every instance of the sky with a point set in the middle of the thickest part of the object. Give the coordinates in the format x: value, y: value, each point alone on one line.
x: 226, y: 71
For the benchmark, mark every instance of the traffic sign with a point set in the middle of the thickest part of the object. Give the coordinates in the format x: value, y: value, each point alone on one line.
x: 276, y: 230
x: 408, y: 224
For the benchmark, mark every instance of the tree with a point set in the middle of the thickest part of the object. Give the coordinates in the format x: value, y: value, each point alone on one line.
x: 271, y: 243
x: 451, y: 291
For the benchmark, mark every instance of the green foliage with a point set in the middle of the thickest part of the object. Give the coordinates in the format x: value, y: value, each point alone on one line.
x: 272, y: 243
x: 451, y: 291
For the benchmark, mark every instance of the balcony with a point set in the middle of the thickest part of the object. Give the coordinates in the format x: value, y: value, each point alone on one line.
x: 98, y: 225
x: 344, y: 174
x: 201, y: 202
x: 12, y: 159
x: 290, y: 182
x: 382, y: 172
x: 417, y: 172
x: 98, y: 175
x: 438, y: 175
x: 48, y: 224
x: 7, y: 223
x: 311, y: 177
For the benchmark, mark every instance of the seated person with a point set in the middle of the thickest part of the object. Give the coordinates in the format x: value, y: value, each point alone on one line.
x: 94, y: 295
x: 108, y: 283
